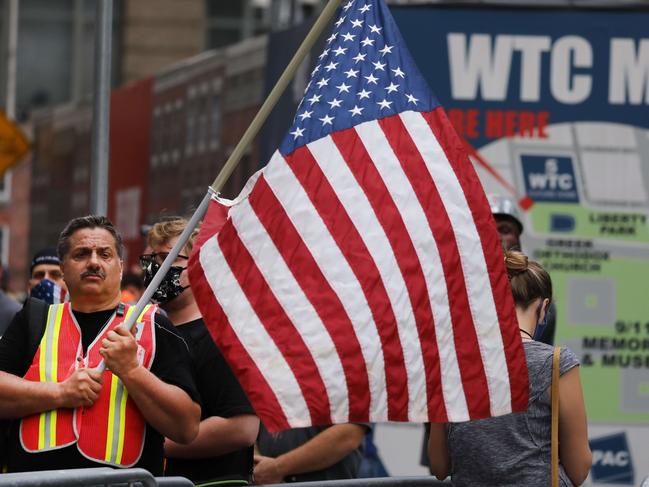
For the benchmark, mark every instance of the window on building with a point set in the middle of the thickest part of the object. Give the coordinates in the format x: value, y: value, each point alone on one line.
x: 222, y: 36
x: 215, y: 122
x: 156, y: 137
x: 169, y: 132
x: 285, y: 13
x: 4, y: 244
x: 218, y: 8
x: 55, y: 51
x: 176, y: 139
x: 229, y: 22
x: 5, y: 187
x: 203, y: 108
x: 202, y: 117
x: 165, y: 131
x: 190, y: 131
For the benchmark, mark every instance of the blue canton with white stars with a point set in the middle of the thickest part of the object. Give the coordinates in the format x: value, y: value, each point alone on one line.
x: 364, y: 73
x: 47, y: 291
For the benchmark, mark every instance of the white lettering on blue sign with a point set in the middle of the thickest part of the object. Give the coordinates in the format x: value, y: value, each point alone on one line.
x: 551, y: 178
x: 629, y: 72
x: 480, y: 65
x: 610, y: 458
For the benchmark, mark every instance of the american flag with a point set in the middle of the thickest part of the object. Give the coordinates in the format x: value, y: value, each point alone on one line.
x: 358, y: 276
x: 49, y: 291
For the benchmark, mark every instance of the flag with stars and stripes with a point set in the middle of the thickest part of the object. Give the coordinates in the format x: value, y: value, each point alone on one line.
x: 49, y: 291
x: 359, y: 276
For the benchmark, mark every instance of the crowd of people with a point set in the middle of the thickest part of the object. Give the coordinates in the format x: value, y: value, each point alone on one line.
x: 169, y: 402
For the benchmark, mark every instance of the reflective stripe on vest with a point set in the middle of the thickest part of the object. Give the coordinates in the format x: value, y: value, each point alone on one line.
x: 113, y: 416
x: 115, y: 439
x: 53, y: 362
x: 112, y: 430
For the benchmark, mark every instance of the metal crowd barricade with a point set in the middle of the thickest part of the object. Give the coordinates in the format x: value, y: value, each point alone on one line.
x: 102, y: 476
x: 372, y: 482
x: 174, y: 482
x: 138, y: 477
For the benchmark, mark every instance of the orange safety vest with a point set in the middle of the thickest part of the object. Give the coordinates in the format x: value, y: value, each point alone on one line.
x: 112, y: 430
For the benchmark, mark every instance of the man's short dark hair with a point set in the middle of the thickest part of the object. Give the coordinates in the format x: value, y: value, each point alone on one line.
x: 90, y: 221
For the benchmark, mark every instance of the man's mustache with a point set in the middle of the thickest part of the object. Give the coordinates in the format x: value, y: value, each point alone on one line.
x: 97, y: 273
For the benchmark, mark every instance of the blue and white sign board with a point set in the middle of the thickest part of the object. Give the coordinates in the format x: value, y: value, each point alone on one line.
x: 554, y: 107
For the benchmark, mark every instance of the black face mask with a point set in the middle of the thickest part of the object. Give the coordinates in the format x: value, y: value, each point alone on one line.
x: 170, y: 286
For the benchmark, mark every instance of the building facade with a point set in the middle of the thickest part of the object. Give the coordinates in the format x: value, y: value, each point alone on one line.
x: 55, y: 82
x: 170, y: 136
x: 60, y: 171
x: 201, y: 108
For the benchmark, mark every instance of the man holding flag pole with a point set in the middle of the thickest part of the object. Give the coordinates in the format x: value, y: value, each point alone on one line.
x: 66, y: 412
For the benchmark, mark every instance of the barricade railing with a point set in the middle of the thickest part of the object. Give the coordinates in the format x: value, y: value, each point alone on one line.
x: 138, y: 477
x: 101, y: 476
x: 372, y: 482
x: 174, y: 482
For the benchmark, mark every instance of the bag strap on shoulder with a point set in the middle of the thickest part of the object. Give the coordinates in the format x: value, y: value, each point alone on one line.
x: 554, y: 436
x: 37, y: 318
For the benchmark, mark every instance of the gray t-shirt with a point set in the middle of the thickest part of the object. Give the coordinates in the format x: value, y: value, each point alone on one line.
x: 512, y: 450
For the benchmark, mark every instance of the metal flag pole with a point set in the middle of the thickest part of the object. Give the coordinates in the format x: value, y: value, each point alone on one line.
x: 101, y: 109
x: 248, y: 136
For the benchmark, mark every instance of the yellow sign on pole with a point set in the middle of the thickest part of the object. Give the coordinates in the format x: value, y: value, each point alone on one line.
x: 13, y: 144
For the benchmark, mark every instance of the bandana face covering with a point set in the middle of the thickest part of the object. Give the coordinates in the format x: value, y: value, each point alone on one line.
x: 49, y: 291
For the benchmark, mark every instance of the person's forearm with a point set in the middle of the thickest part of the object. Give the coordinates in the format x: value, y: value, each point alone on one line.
x: 577, y: 464
x: 574, y: 450
x: 20, y: 397
x: 166, y: 407
x: 323, y: 450
x: 438, y: 456
x: 217, y: 436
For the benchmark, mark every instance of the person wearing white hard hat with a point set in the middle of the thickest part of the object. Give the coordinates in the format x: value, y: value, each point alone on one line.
x: 510, y: 228
x: 508, y: 221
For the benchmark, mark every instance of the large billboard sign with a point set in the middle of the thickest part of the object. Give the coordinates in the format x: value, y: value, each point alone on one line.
x: 554, y: 107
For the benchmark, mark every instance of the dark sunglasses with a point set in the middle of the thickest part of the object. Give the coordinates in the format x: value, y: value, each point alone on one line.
x: 157, y: 257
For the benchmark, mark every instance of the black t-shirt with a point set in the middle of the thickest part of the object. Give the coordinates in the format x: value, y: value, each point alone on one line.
x: 221, y: 395
x: 171, y: 364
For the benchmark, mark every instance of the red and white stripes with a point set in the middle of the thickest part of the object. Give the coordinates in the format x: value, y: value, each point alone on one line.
x: 360, y: 278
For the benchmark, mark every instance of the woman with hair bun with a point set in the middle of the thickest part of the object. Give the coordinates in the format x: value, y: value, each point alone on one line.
x: 514, y: 450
